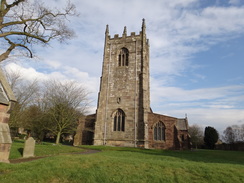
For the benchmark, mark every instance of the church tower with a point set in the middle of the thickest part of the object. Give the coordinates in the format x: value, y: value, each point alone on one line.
x: 124, y: 96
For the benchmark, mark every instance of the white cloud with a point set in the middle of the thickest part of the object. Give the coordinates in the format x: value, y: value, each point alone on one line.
x: 28, y: 73
x: 177, y: 29
x: 167, y: 93
x: 54, y: 64
x: 235, y: 2
x: 67, y: 73
x: 217, y: 118
x: 176, y: 37
x: 218, y: 107
x: 91, y: 83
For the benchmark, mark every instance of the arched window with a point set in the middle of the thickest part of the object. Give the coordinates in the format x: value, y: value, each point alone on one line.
x: 119, y: 120
x: 159, y: 131
x: 123, y: 57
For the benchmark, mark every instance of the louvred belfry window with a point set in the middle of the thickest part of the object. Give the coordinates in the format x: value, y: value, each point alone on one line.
x: 123, y: 57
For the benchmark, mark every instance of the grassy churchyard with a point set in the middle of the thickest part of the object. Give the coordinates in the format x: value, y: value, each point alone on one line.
x: 117, y: 164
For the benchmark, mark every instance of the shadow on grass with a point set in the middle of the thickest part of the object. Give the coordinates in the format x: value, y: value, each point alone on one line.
x: 206, y: 156
x: 21, y: 150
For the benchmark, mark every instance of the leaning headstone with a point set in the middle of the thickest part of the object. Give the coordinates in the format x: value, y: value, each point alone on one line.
x: 29, y: 148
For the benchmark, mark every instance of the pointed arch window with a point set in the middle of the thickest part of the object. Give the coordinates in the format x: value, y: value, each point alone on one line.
x: 123, y: 57
x: 119, y: 120
x: 159, y: 131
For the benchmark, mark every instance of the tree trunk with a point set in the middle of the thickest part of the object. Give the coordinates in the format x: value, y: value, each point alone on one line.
x: 58, y: 137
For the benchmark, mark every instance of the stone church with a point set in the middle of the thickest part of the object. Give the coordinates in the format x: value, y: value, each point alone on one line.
x: 7, y: 101
x: 124, y: 116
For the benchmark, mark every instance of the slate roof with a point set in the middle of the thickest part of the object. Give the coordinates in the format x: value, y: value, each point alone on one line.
x: 182, y: 124
x: 3, y: 99
x: 6, y: 93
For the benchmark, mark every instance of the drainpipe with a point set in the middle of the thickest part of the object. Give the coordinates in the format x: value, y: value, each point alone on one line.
x: 135, y: 125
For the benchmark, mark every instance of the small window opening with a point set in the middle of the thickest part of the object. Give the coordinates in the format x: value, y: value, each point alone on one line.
x: 123, y: 57
x: 182, y: 137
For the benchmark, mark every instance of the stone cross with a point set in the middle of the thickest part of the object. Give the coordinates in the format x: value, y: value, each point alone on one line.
x: 29, y: 148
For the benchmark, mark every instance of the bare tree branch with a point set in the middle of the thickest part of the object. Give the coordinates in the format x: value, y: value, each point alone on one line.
x: 4, y: 9
x: 26, y: 23
x: 27, y: 35
x: 25, y: 93
x: 15, y: 3
x: 5, y: 55
x: 65, y: 103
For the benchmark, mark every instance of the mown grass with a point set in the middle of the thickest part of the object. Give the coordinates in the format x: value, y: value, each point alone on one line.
x: 43, y: 149
x: 130, y: 165
x: 207, y: 156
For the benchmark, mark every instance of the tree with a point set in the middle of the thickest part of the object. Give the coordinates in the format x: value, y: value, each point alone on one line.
x: 55, y: 107
x: 26, y: 93
x: 196, y: 134
x: 24, y: 23
x: 36, y: 122
x: 229, y: 135
x: 64, y: 103
x: 211, y: 136
x: 242, y: 132
x: 234, y: 133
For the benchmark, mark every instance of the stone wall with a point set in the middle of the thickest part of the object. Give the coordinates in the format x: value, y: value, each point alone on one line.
x: 123, y: 87
x: 7, y: 101
x: 88, y: 130
x: 126, y: 88
x: 174, y: 138
x: 169, y: 123
x: 5, y: 138
x: 85, y: 130
x: 183, y: 139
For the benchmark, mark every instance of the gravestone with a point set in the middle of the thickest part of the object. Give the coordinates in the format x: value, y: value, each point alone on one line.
x: 29, y: 148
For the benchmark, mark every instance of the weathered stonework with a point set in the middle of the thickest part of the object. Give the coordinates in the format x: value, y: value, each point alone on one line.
x: 124, y: 86
x: 124, y: 116
x: 7, y: 100
x: 5, y: 142
x: 174, y: 131
x: 29, y: 148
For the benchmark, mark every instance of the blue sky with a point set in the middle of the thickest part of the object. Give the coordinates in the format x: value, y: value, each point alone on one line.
x: 196, y: 54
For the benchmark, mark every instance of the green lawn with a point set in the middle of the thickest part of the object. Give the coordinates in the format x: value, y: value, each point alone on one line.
x: 130, y: 165
x: 43, y: 149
